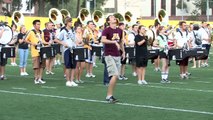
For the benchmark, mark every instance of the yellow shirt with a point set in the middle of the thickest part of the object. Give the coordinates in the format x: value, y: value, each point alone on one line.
x: 34, y: 38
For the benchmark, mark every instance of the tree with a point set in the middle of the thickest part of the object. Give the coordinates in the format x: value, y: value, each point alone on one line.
x: 179, y: 5
x: 201, y: 5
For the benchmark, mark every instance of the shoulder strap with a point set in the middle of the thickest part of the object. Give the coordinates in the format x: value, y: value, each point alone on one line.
x: 133, y: 33
x: 35, y: 31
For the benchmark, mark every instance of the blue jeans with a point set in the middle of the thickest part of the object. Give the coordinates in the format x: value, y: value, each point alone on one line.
x: 23, y: 55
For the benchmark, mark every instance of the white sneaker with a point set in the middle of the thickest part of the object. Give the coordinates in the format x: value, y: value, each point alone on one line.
x: 47, y: 72
x: 206, y: 64
x: 74, y: 84
x: 91, y: 75
x: 77, y: 81
x: 52, y: 73
x: 15, y: 64
x: 36, y: 81
x: 25, y: 73
x: 41, y: 81
x: 140, y: 82
x: 144, y: 82
x: 22, y: 74
x: 88, y: 75
x: 134, y: 74
x: 81, y: 81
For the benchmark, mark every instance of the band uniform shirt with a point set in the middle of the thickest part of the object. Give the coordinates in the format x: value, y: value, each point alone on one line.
x: 22, y: 45
x: 182, y: 39
x: 68, y: 37
x: 162, y: 42
x: 193, y: 37
x: 131, y: 38
x: 35, y: 39
x: 204, y: 34
x: 111, y: 49
x: 141, y: 50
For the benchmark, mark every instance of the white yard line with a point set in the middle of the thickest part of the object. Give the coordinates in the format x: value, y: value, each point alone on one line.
x: 17, y: 88
x: 203, y: 82
x: 99, y: 101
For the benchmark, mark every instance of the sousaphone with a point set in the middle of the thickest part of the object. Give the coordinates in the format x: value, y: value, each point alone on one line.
x: 98, y: 18
x: 84, y: 16
x: 55, y: 16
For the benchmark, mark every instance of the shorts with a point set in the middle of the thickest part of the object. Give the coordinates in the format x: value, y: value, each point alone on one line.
x: 132, y: 61
x: 207, y: 46
x: 141, y: 62
x: 69, y: 60
x: 38, y: 62
x: 183, y: 62
x: 113, y: 65
x: 163, y: 55
x: 3, y: 61
x: 90, y: 57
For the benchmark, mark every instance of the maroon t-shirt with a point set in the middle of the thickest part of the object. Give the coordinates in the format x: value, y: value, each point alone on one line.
x: 111, y: 49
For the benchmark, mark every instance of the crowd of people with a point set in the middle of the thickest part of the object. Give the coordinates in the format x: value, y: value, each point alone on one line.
x: 114, y: 37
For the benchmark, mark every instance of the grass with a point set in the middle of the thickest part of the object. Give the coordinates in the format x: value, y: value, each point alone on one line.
x: 189, y: 99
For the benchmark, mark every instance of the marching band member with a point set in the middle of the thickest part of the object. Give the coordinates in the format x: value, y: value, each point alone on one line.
x: 88, y: 36
x: 112, y: 39
x: 131, y: 42
x: 49, y: 36
x: 3, y: 61
x: 58, y: 56
x: 67, y: 38
x: 182, y: 40
x: 206, y: 41
x: 35, y: 39
x: 96, y: 41
x: 23, y: 51
x: 14, y: 42
x: 157, y: 60
x: 123, y: 62
x: 80, y: 63
x: 141, y: 54
x: 163, y: 45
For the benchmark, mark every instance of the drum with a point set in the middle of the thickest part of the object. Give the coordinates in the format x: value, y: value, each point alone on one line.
x: 175, y: 54
x: 200, y: 53
x: 130, y: 52
x: 47, y: 52
x: 57, y: 48
x: 7, y: 35
x: 80, y: 53
x: 153, y: 54
x: 97, y: 50
x: 8, y: 52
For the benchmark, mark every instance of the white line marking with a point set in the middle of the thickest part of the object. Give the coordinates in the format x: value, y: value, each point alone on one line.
x: 203, y: 82
x: 48, y: 87
x: 99, y: 101
x: 164, y: 87
x: 16, y: 88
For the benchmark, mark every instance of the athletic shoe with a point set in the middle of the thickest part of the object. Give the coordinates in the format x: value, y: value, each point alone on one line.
x: 3, y: 77
x: 88, y: 75
x: 206, y: 64
x: 36, y: 81
x: 120, y: 77
x: 81, y: 81
x: 91, y: 75
x: 188, y: 74
x: 193, y: 67
x: 111, y: 100
x: 140, y: 82
x: 41, y: 81
x: 125, y: 78
x: 144, y: 82
x: 134, y: 74
x: 165, y: 81
x: 52, y: 73
x: 77, y: 81
x: 22, y: 74
x: 73, y: 84
x: 47, y: 72
x: 25, y: 73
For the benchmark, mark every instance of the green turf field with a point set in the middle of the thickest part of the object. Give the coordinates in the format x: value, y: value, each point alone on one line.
x: 189, y: 99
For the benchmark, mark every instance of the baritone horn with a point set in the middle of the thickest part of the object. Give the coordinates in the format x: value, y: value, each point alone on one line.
x: 129, y: 18
x: 98, y: 18
x: 84, y: 16
x: 65, y: 13
x: 18, y: 18
x: 55, y: 16
x: 119, y: 17
x: 162, y: 17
